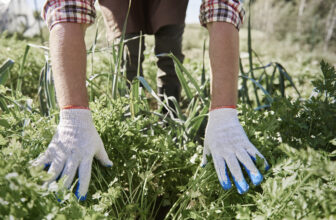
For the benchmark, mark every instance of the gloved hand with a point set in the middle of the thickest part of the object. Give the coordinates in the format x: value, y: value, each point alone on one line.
x: 73, y: 147
x: 229, y: 146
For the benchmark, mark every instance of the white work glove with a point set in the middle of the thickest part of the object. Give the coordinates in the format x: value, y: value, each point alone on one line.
x: 73, y: 147
x: 229, y: 146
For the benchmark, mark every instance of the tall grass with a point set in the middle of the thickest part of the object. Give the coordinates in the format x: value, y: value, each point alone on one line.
x: 263, y: 81
x: 184, y: 124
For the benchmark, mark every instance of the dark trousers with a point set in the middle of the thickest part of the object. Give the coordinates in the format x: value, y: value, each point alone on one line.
x: 167, y: 39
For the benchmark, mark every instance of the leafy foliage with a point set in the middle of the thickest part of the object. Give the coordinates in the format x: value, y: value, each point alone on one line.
x: 156, y: 173
x: 311, y: 122
x: 154, y: 176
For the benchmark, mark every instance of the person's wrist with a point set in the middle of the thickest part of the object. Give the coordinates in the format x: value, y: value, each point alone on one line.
x: 75, y: 107
x: 223, y: 107
x: 76, y: 117
x: 223, y: 115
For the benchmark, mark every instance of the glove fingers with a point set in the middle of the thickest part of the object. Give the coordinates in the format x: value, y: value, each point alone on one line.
x: 206, y: 152
x: 236, y: 173
x: 222, y: 172
x: 102, y: 156
x: 43, y: 160
x: 84, y: 176
x: 46, y: 158
x: 253, y: 152
x: 69, y: 172
x: 250, y: 167
x: 55, y: 169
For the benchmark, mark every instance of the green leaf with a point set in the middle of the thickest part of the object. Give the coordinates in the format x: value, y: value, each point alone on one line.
x: 120, y: 56
x: 4, y: 71
x: 19, y: 81
x: 4, y: 123
x: 268, y: 96
x: 190, y: 77
x: 179, y: 73
x: 151, y: 91
x: 283, y: 72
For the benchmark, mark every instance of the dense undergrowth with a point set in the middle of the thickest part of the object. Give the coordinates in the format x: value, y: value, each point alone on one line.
x: 156, y: 171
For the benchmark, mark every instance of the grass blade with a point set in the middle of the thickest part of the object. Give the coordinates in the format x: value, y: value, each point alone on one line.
x: 4, y: 123
x: 203, y: 64
x: 4, y: 71
x: 190, y: 77
x: 136, y: 85
x: 3, y: 105
x: 151, y: 91
x: 92, y: 49
x: 40, y: 93
x: 19, y: 81
x: 120, y: 53
x: 262, y: 107
x: 178, y: 110
x: 244, y: 89
x: 283, y: 72
x: 50, y: 88
x: 180, y: 75
x: 134, y: 98
x: 268, y: 96
x: 196, y: 122
x: 250, y: 52
x: 282, y: 84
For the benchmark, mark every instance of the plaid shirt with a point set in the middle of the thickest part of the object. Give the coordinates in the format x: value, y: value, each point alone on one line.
x: 83, y: 12
x: 230, y: 11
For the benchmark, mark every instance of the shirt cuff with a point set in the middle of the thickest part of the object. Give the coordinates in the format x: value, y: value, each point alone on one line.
x: 72, y: 11
x: 230, y: 11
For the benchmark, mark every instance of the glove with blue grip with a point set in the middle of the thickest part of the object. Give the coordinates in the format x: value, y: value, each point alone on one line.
x: 229, y: 146
x: 73, y: 147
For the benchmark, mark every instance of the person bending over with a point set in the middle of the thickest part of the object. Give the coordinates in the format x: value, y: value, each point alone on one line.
x: 76, y: 141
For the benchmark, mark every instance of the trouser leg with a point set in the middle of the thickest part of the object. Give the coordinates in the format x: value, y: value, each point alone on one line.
x: 131, y: 55
x: 169, y: 39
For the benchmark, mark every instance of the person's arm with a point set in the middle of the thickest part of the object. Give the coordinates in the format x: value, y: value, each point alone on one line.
x: 225, y: 138
x: 68, y: 59
x: 224, y: 60
x: 67, y: 21
x: 76, y: 141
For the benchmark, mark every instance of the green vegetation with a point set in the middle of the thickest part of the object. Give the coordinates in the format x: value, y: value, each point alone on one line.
x: 309, y: 22
x: 287, y: 108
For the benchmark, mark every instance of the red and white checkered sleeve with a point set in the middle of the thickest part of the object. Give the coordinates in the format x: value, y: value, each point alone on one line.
x: 230, y: 11
x: 72, y: 11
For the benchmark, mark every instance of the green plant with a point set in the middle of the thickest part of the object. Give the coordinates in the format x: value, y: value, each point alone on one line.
x: 311, y: 122
x: 156, y: 156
